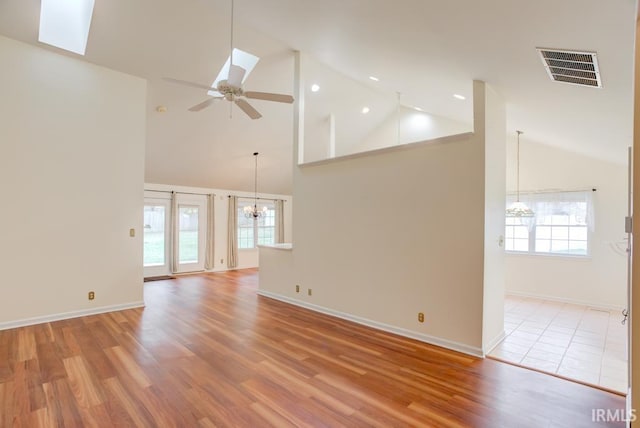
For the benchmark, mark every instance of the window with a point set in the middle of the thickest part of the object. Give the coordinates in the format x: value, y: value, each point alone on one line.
x: 65, y: 24
x: 561, y: 224
x: 516, y: 235
x: 260, y: 231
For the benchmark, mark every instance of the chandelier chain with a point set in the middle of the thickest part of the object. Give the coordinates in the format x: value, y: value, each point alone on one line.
x: 255, y: 181
x: 252, y: 211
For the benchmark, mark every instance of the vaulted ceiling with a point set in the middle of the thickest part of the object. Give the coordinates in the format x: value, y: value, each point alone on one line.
x: 425, y: 49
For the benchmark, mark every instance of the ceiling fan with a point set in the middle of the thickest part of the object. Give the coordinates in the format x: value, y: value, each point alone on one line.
x: 228, y: 84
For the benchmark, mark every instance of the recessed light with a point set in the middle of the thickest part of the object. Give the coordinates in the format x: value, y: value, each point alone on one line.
x: 460, y: 97
x: 375, y: 79
x: 315, y: 87
x: 418, y: 109
x: 365, y: 110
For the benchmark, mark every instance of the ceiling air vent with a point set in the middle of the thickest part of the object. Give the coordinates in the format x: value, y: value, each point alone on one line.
x: 578, y: 68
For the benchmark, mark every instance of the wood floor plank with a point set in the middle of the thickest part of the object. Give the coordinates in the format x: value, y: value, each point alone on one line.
x: 208, y: 351
x: 26, y: 344
x: 287, y: 379
x: 271, y: 417
x: 43, y: 333
x: 83, y: 385
x: 211, y: 411
x: 377, y: 400
x: 6, y: 371
x: 20, y: 392
x: 274, y: 397
x: 138, y: 413
x: 6, y: 403
x: 62, y: 405
x: 69, y: 339
x: 50, y: 364
x: 127, y: 366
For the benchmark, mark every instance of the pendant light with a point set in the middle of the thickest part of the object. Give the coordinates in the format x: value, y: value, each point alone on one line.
x: 252, y: 211
x: 518, y: 209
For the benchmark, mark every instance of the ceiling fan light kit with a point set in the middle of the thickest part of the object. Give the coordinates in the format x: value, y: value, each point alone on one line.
x: 228, y: 84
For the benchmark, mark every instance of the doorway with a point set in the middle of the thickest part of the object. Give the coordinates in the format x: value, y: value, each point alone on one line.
x: 157, y: 237
x: 574, y: 341
x: 190, y: 228
x: 174, y: 234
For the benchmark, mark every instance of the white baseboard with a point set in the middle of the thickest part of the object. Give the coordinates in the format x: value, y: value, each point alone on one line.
x: 67, y: 315
x: 432, y: 340
x: 594, y: 305
x: 492, y: 344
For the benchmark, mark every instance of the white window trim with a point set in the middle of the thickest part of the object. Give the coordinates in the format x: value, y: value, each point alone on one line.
x: 530, y: 199
x: 242, y: 201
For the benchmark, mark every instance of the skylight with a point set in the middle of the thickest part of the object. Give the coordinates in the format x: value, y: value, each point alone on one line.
x: 65, y: 24
x: 241, y: 58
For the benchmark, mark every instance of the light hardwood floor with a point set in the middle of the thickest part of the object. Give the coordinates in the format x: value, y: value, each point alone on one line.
x: 208, y: 351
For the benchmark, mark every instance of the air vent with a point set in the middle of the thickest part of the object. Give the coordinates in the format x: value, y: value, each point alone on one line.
x: 577, y: 68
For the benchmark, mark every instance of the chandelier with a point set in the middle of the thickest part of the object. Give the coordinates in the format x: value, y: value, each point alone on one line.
x: 253, y: 211
x: 518, y: 209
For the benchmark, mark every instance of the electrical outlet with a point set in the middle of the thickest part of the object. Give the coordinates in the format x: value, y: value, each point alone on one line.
x: 92, y: 295
x: 420, y: 317
x: 297, y: 288
x: 309, y: 292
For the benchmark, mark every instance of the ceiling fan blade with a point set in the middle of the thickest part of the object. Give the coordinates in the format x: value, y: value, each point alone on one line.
x: 213, y: 90
x: 204, y: 104
x: 280, y: 98
x: 236, y: 74
x: 248, y: 109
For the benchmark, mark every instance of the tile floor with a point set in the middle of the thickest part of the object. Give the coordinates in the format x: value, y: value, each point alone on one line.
x: 577, y: 342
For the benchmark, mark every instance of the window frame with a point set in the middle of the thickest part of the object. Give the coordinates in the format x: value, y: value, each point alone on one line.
x: 255, y: 226
x: 533, y: 227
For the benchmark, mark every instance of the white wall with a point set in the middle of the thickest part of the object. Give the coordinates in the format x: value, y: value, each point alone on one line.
x: 72, y: 160
x: 494, y: 128
x: 599, y: 280
x: 414, y: 126
x: 382, y: 236
x: 247, y: 258
x: 342, y: 98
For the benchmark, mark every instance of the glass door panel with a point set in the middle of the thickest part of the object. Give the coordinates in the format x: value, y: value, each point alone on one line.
x: 156, y: 237
x: 192, y: 225
x: 188, y: 236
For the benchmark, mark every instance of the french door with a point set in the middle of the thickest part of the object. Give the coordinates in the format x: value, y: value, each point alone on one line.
x: 190, y: 233
x: 157, y: 236
x: 174, y: 242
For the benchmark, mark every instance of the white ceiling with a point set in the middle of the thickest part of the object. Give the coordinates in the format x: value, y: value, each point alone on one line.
x: 426, y: 49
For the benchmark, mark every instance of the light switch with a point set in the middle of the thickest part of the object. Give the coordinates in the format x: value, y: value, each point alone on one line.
x: 132, y: 233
